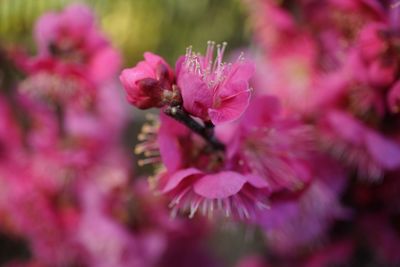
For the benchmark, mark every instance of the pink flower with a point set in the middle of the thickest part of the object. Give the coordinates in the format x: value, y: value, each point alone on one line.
x: 228, y: 192
x: 72, y: 37
x: 264, y: 153
x: 211, y: 89
x: 291, y: 225
x: 73, y: 58
x: 105, y: 241
x: 145, y: 83
x: 200, y: 180
x: 369, y: 151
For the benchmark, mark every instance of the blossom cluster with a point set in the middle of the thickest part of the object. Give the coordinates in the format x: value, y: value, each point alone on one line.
x: 296, y: 138
x: 68, y: 195
x: 300, y: 139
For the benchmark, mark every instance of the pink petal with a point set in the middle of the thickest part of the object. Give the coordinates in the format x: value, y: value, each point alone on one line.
x: 170, y: 151
x: 168, y: 140
x: 230, y: 108
x: 257, y: 181
x: 346, y: 126
x: 130, y: 76
x: 178, y: 65
x: 178, y: 177
x: 46, y: 30
x: 78, y: 18
x: 219, y: 185
x: 104, y: 65
x: 261, y: 111
x: 153, y: 60
x: 242, y: 71
x: 383, y: 150
x: 196, y: 95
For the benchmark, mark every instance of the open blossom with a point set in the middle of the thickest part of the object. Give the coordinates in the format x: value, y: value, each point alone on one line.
x: 239, y: 180
x: 212, y: 89
x: 199, y: 180
x: 208, y: 88
x: 145, y: 83
x: 196, y: 177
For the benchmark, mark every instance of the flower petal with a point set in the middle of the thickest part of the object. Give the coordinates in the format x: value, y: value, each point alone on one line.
x: 257, y: 181
x: 196, y: 95
x: 346, y: 127
x: 219, y: 185
x: 267, y: 109
x: 175, y: 179
x: 240, y: 72
x: 168, y: 140
x: 231, y: 108
x: 104, y: 65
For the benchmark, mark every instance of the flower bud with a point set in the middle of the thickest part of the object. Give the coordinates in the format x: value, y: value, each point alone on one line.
x: 146, y: 82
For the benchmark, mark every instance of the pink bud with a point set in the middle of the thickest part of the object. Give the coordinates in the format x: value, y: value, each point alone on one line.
x: 146, y: 82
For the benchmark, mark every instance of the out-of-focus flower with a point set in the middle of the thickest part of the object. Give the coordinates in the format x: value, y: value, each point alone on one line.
x: 73, y: 39
x: 291, y: 225
x: 73, y: 58
x: 369, y: 151
x: 270, y: 145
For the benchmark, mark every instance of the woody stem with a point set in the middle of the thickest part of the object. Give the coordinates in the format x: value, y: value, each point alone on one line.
x: 206, y: 132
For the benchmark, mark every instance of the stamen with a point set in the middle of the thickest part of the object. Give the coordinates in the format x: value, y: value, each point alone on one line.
x: 209, y: 54
x: 143, y: 162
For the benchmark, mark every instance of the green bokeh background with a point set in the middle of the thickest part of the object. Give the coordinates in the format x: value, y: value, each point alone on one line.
x: 165, y: 27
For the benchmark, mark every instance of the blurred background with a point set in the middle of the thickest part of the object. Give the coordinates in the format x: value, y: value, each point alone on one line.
x: 165, y: 27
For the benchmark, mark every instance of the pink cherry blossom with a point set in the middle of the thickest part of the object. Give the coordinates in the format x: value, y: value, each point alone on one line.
x: 211, y: 89
x: 187, y: 185
x: 202, y: 181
